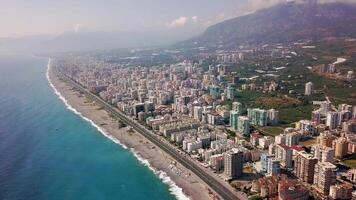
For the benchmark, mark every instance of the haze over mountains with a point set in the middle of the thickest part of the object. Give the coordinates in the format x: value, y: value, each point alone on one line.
x: 282, y: 24
x: 83, y: 41
x: 285, y: 22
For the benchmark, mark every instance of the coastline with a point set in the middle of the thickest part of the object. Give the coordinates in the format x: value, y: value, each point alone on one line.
x: 181, y: 182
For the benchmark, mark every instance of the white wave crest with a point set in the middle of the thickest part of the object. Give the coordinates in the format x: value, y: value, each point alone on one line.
x: 173, y: 187
x: 69, y: 107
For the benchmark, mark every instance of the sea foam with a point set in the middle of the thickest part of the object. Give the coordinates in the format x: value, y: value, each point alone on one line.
x: 173, y: 187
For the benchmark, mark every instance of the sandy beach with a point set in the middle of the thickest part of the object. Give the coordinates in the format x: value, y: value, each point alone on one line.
x: 193, y: 187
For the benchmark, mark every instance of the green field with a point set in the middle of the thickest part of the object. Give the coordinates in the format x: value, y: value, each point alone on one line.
x: 271, y: 130
x: 294, y: 114
x: 290, y: 109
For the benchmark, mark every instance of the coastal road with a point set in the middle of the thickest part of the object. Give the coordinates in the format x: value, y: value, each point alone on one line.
x: 218, y: 187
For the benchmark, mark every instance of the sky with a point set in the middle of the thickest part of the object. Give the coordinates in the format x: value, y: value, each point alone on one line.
x: 48, y: 17
x: 63, y: 25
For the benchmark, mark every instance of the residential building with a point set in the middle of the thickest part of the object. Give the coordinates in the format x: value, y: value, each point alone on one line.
x: 217, y: 162
x: 273, y: 167
x: 265, y: 141
x: 292, y: 190
x: 214, y: 91
x: 341, y: 191
x: 283, y: 153
x: 257, y: 116
x: 237, y: 106
x: 265, y: 157
x: 340, y: 145
x: 324, y: 177
x: 304, y: 166
x: 243, y: 125
x: 272, y: 116
x: 332, y: 119
x: 293, y: 138
x: 230, y: 93
x: 234, y: 119
x: 309, y: 89
x: 323, y: 153
x: 233, y: 163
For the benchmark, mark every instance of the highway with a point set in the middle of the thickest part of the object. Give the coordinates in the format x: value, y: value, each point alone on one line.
x: 218, y: 187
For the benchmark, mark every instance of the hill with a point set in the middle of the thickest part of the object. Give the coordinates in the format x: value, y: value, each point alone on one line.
x: 282, y: 24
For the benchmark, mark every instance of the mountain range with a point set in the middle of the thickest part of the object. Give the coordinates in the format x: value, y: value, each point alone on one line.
x: 283, y: 23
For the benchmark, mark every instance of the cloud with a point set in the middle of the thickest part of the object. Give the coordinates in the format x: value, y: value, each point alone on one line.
x: 195, y: 19
x: 179, y: 22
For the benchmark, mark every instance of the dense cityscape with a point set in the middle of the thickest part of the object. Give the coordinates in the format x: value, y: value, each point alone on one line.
x: 178, y: 100
x: 193, y: 103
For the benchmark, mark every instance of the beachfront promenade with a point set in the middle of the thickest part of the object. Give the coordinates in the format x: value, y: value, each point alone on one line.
x: 217, y: 186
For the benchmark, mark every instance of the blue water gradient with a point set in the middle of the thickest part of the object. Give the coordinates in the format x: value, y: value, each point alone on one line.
x: 48, y: 152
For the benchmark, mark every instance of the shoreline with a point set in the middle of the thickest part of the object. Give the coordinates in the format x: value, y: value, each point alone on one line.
x: 182, y: 183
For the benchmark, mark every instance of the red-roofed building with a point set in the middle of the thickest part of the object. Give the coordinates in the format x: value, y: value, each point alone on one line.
x: 254, y: 138
x: 296, y: 148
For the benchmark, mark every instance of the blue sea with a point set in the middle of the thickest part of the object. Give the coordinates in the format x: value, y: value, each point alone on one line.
x: 49, y: 152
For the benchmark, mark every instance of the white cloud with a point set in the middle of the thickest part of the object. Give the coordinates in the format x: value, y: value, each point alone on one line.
x: 179, y: 22
x: 195, y: 19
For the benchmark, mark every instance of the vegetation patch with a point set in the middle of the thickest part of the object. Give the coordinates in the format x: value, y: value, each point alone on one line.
x: 277, y: 102
x: 271, y: 130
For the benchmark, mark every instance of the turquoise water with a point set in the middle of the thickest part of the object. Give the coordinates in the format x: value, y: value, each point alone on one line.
x: 48, y: 152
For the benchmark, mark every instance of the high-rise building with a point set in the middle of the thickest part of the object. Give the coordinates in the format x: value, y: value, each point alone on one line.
x: 237, y: 106
x: 304, y: 166
x: 243, y: 125
x: 234, y: 119
x: 349, y: 126
x: 316, y: 116
x: 235, y: 80
x: 307, y: 127
x: 257, y: 116
x: 273, y: 167
x: 280, y: 139
x: 325, y: 139
x: 309, y: 88
x: 273, y: 116
x: 283, y: 153
x: 340, y: 145
x: 324, y: 177
x: 149, y: 106
x: 139, y: 107
x: 293, y: 138
x: 217, y: 162
x: 323, y: 153
x: 215, y: 91
x: 325, y: 106
x: 230, y: 93
x: 233, y: 164
x: 198, y: 112
x: 332, y: 119
x: 265, y: 157
x: 341, y: 191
